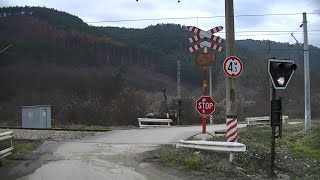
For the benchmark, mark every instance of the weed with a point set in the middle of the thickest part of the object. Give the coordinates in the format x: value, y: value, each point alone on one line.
x: 23, y: 147
x: 194, y: 162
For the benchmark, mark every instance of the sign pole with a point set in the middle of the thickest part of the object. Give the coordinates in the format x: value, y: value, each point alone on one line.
x: 204, y: 88
x: 210, y: 87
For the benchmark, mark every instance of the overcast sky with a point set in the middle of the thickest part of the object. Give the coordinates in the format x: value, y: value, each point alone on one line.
x: 109, y: 10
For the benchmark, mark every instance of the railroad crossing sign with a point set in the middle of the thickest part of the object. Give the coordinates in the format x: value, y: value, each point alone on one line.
x: 205, y: 105
x: 205, y: 35
x: 232, y: 66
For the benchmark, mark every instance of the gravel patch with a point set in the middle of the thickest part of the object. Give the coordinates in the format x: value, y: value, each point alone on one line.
x: 48, y: 134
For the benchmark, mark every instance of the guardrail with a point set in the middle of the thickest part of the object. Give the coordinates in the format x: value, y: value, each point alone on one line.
x: 213, y: 145
x: 155, y: 122
x: 262, y: 120
x: 5, y: 136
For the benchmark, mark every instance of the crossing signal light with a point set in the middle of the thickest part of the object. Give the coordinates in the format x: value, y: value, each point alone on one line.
x: 280, y: 72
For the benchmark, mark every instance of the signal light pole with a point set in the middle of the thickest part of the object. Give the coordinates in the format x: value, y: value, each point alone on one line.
x: 280, y: 72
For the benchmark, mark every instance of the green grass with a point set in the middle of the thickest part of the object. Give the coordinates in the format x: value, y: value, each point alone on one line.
x: 308, y: 146
x: 186, y: 158
x: 21, y: 148
x: 297, y: 155
x: 193, y: 162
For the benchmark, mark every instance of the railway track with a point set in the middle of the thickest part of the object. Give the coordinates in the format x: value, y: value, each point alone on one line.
x: 55, y: 129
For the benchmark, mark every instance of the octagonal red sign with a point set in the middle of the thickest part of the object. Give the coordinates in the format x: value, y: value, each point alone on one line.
x: 205, y: 105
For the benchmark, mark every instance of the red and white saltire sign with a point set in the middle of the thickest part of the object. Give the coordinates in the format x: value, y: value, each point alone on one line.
x: 232, y: 134
x: 200, y: 34
x: 205, y: 34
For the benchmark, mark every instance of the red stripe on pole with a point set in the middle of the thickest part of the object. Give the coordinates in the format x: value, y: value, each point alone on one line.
x: 198, y: 45
x: 193, y: 39
x: 232, y: 134
x: 231, y: 121
x: 234, y: 139
x: 229, y: 129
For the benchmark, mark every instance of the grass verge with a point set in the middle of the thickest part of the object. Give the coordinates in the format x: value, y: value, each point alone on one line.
x: 297, y: 155
x: 22, y: 148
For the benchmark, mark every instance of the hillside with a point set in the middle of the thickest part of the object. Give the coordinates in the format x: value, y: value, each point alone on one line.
x: 110, y: 76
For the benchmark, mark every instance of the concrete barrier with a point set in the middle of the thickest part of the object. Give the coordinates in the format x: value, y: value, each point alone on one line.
x: 155, y: 122
x: 5, y: 136
x: 263, y: 120
x: 213, y: 145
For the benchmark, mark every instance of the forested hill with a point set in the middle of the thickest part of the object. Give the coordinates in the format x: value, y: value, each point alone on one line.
x: 110, y: 74
x: 58, y: 34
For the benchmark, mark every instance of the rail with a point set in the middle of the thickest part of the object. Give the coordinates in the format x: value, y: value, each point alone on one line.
x: 5, y: 136
x: 56, y: 129
x: 155, y: 122
x: 263, y: 120
x: 213, y: 145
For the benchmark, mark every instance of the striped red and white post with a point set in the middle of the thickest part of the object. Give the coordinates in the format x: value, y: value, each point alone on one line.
x: 232, y: 129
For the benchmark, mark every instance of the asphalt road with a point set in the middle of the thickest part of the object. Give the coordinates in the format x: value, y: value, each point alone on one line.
x: 114, y: 155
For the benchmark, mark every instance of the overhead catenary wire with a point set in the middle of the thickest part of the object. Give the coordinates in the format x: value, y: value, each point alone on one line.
x: 192, y: 17
x: 301, y: 25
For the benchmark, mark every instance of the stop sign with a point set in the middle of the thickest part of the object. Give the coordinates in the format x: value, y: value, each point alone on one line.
x: 205, y: 105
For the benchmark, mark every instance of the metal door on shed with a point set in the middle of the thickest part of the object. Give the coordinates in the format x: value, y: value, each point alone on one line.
x: 44, y: 117
x: 28, y: 118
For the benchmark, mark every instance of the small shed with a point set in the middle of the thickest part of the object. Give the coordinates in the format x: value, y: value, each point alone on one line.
x: 38, y: 116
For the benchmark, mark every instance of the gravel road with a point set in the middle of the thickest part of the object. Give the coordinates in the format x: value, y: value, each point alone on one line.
x: 117, y: 154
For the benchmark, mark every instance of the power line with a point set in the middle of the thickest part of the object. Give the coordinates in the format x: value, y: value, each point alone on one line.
x: 238, y: 35
x: 193, y: 17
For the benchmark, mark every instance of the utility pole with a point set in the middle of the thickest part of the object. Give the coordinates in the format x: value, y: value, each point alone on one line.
x: 307, y: 109
x: 178, y: 90
x: 231, y: 103
x: 269, y: 56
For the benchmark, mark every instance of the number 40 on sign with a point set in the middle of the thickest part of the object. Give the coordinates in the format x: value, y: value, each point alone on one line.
x: 232, y: 66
